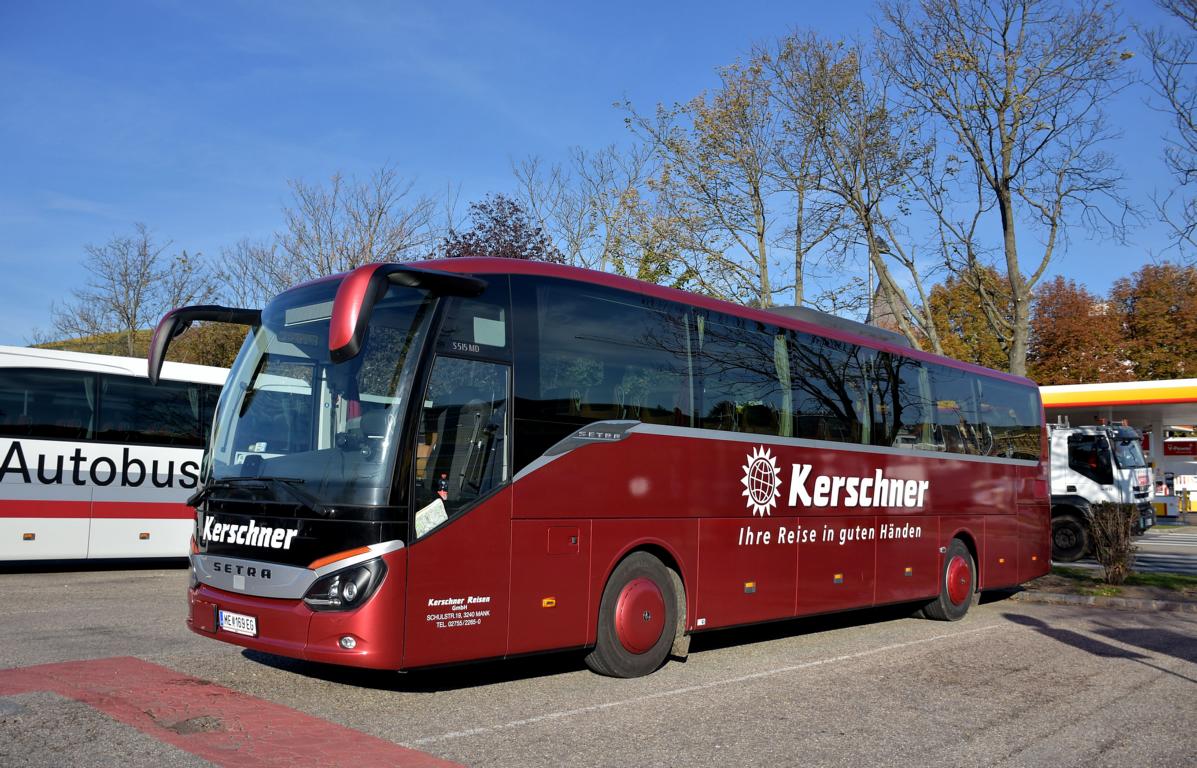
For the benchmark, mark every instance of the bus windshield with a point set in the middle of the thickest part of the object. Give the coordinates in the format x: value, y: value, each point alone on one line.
x: 321, y: 433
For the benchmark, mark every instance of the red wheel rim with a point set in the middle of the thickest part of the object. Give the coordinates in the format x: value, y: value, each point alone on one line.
x: 639, y: 615
x: 960, y: 579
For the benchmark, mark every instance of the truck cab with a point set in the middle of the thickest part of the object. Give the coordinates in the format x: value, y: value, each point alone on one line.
x: 1091, y: 465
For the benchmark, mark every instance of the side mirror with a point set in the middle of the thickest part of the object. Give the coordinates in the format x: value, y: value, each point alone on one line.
x: 178, y: 320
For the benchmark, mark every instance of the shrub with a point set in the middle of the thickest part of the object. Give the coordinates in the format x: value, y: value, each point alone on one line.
x: 1113, y: 544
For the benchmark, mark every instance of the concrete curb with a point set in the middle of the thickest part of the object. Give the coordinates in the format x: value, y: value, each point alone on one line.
x: 1116, y: 603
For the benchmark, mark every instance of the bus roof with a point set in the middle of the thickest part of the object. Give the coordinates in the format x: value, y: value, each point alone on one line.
x: 31, y: 357
x: 491, y: 265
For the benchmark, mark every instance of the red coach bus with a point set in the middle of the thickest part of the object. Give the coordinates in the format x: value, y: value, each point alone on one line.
x: 415, y: 465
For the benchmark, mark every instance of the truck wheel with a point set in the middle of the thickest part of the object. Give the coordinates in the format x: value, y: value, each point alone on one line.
x: 956, y: 585
x: 637, y: 619
x: 1070, y: 539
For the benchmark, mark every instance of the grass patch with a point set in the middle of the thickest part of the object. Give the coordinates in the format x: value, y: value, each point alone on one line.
x: 1174, y: 581
x: 1088, y: 582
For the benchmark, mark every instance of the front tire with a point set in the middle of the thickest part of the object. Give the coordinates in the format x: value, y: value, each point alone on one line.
x: 1070, y: 539
x: 957, y: 583
x: 638, y: 619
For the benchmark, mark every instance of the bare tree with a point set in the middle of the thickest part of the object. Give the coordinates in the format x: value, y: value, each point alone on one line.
x: 863, y: 155
x: 329, y: 229
x: 132, y: 282
x: 588, y: 204
x: 346, y: 224
x: 715, y: 175
x: 814, y: 217
x: 252, y: 273
x: 1174, y: 66
x: 1019, y: 86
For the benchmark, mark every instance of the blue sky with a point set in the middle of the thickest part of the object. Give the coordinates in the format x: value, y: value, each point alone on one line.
x: 191, y: 117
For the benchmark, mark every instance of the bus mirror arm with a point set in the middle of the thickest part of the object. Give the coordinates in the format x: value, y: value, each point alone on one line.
x: 178, y: 320
x: 361, y: 288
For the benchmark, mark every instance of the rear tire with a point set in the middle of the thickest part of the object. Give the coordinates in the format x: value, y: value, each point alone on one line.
x: 1070, y: 539
x: 638, y: 619
x: 957, y: 583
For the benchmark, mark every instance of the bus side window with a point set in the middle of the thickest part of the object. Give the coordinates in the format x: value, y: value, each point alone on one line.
x: 477, y: 325
x: 901, y: 404
x: 1012, y: 424
x: 462, y: 446
x: 49, y: 404
x: 957, y: 413
x: 744, y: 369
x: 828, y: 382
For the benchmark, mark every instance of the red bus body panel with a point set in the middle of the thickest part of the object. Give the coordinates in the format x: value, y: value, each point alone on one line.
x: 524, y: 570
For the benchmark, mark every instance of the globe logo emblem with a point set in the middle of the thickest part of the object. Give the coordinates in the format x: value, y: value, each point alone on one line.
x: 762, y: 481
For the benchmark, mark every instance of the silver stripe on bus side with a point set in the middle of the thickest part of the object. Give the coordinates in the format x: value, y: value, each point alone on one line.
x: 288, y: 582
x: 801, y: 442
x: 572, y: 442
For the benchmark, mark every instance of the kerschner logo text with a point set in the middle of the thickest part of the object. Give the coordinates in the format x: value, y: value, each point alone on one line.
x: 252, y: 534
x: 874, y: 490
x: 762, y: 483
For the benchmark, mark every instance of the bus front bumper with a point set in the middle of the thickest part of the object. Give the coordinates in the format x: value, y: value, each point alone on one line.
x: 369, y: 636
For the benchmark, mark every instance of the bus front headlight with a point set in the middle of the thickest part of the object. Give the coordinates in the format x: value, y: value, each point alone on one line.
x: 347, y: 588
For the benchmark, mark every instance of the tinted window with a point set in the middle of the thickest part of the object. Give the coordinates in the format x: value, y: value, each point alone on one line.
x: 477, y: 326
x: 134, y: 411
x: 828, y: 381
x: 902, y: 408
x: 1012, y: 417
x: 47, y: 403
x: 959, y: 427
x: 745, y: 376
x: 607, y: 355
x: 275, y: 415
x: 461, y: 451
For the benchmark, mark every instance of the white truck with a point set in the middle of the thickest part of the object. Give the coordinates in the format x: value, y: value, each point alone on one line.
x: 1091, y: 465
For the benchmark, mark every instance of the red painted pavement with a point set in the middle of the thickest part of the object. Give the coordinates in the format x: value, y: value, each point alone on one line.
x: 208, y: 720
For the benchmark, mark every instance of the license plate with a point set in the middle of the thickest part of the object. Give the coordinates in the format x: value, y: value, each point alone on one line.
x: 239, y: 623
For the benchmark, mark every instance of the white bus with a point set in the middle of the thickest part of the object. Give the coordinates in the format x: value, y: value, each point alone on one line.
x: 95, y: 462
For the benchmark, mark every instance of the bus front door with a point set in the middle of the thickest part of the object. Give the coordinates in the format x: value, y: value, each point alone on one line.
x: 458, y: 560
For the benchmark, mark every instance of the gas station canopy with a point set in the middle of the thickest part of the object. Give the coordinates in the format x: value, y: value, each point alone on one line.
x: 1148, y: 405
x: 1152, y: 407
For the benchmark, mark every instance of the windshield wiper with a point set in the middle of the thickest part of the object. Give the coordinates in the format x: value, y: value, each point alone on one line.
x: 309, y: 501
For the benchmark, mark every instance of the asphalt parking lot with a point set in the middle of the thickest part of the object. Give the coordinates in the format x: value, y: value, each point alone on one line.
x: 97, y: 669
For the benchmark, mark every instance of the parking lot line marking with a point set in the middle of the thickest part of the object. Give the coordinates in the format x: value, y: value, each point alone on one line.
x: 218, y: 724
x: 694, y: 688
